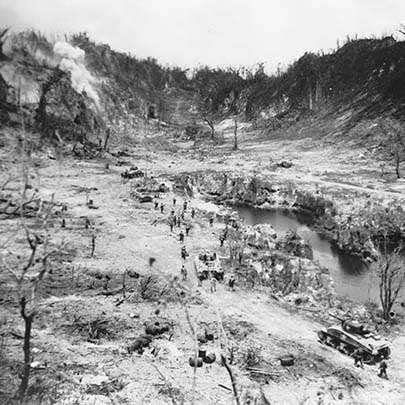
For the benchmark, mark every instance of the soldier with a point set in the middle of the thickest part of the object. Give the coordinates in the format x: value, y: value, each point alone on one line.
x: 240, y: 257
x: 192, y: 213
x: 382, y: 369
x: 211, y: 221
x: 231, y: 282
x: 199, y: 279
x: 87, y: 223
x: 178, y: 221
x: 188, y: 227
x: 93, y: 244
x: 174, y: 201
x: 156, y: 205
x: 213, y: 284
x: 183, y: 252
x: 162, y: 208
x: 107, y: 279
x: 184, y: 272
x: 171, y: 222
x: 185, y: 205
x: 181, y: 236
x: 358, y: 358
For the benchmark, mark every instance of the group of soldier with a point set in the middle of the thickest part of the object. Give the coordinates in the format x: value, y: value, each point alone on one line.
x: 358, y: 362
x: 179, y: 218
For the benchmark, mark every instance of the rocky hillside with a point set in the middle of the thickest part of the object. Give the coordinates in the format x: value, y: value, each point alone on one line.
x: 73, y: 87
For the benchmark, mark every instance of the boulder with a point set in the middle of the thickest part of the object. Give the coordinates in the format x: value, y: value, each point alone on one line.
x: 145, y: 199
x: 294, y: 245
x: 284, y: 164
x: 261, y: 236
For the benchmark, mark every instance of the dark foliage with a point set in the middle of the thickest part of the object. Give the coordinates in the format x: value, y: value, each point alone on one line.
x: 371, y: 69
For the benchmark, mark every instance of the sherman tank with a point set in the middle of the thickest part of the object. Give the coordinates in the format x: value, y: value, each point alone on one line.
x: 207, y: 265
x: 350, y: 336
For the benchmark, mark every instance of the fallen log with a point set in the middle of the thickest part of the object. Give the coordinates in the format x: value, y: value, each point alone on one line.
x: 108, y: 293
x: 264, y: 372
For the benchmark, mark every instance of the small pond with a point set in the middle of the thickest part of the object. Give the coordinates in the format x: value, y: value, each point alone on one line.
x: 350, y: 275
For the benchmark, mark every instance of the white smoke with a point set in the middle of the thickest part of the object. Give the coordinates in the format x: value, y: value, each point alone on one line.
x: 65, y: 50
x: 71, y: 59
x: 190, y: 74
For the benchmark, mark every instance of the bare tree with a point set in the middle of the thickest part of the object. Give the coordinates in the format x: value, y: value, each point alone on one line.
x: 390, y: 270
x: 208, y: 113
x: 28, y: 266
x: 28, y: 269
x: 236, y: 244
x: 107, y: 138
x: 236, y: 106
x: 235, y: 135
x: 395, y: 140
x: 227, y: 356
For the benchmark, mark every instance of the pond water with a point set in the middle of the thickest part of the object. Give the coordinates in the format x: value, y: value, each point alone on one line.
x: 350, y: 275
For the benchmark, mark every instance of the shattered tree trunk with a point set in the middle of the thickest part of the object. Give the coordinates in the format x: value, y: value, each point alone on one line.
x: 212, y: 128
x: 211, y: 125
x: 310, y: 100
x: 235, y: 135
x: 224, y: 362
x: 392, y: 277
x: 397, y: 164
x: 318, y: 93
x: 28, y: 319
x: 107, y: 137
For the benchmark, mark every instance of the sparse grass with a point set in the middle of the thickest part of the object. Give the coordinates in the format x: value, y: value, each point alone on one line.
x: 87, y: 330
x: 249, y: 354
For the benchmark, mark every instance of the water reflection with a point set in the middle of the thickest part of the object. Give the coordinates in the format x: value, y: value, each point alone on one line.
x: 350, y: 275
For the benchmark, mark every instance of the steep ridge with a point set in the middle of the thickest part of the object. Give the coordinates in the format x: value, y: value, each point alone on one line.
x: 78, y: 87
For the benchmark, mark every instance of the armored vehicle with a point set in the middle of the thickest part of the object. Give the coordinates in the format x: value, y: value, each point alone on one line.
x: 351, y: 336
x: 207, y: 265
